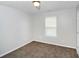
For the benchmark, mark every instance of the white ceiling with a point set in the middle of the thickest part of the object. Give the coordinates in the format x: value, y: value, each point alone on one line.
x: 27, y: 6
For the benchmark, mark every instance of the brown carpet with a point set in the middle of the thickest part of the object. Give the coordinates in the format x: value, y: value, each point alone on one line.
x: 42, y: 50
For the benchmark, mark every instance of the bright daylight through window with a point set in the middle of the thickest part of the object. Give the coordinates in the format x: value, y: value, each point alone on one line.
x: 50, y: 26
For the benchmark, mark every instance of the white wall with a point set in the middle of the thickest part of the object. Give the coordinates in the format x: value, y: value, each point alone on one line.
x: 66, y: 28
x: 78, y: 30
x: 14, y: 29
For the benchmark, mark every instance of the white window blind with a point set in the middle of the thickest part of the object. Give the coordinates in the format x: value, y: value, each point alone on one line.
x: 50, y: 26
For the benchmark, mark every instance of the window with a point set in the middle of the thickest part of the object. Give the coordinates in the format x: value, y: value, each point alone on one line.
x: 50, y: 26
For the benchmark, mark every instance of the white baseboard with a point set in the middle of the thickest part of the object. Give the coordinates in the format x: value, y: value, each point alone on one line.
x: 15, y: 48
x: 55, y: 44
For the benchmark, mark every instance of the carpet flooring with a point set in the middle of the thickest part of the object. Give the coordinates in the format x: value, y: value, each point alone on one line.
x: 42, y: 50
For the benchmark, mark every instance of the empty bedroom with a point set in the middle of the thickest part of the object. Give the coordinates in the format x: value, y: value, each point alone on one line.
x: 39, y: 29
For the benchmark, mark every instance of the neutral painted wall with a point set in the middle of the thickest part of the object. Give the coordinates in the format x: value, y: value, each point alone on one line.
x: 78, y: 30
x: 14, y: 29
x: 66, y: 28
